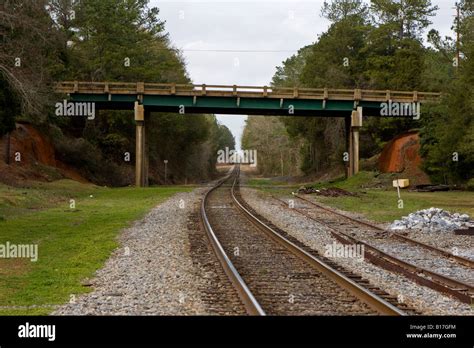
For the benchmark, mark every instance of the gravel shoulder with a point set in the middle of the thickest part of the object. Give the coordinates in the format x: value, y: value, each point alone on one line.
x: 459, y: 245
x: 408, y: 252
x: 314, y: 235
x: 152, y: 272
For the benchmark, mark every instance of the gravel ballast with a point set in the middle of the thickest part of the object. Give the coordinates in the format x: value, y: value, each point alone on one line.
x: 152, y: 272
x: 316, y: 236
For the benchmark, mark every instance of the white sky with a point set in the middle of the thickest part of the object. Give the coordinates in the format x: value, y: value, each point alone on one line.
x: 259, y: 25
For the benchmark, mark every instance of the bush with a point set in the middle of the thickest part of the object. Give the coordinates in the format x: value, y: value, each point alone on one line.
x: 470, y: 185
x: 89, y: 161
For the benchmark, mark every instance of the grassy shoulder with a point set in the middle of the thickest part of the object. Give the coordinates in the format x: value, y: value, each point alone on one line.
x: 72, y: 243
x: 382, y: 205
x: 376, y: 200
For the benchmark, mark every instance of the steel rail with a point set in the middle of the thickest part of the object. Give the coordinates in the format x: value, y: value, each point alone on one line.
x: 246, y: 296
x: 462, y: 291
x: 371, y: 299
x: 462, y: 260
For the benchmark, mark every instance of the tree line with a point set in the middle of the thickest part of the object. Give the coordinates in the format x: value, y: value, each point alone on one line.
x: 44, y: 41
x: 382, y: 44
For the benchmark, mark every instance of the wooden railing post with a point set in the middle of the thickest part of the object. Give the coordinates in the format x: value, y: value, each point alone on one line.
x: 295, y: 92
x: 325, y: 97
x: 357, y: 94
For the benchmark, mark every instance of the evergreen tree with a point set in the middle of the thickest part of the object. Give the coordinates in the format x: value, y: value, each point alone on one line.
x: 448, y: 130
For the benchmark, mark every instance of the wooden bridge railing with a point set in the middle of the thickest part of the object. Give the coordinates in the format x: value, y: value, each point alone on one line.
x: 70, y: 87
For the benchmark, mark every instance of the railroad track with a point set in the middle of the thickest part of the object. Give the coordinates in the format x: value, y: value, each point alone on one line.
x: 217, y: 293
x: 394, y: 235
x: 420, y: 262
x: 273, y: 274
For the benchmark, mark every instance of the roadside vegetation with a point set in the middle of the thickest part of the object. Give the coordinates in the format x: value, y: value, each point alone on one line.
x: 107, y: 40
x: 377, y: 44
x: 72, y: 243
x: 375, y: 197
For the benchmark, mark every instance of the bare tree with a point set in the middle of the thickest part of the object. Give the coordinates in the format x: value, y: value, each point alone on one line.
x: 29, y: 42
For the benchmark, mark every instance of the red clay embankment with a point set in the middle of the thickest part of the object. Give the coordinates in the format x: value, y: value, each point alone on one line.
x: 32, y: 157
x: 401, y: 155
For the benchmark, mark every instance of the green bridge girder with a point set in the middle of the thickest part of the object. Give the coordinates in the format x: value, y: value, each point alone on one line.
x: 230, y: 105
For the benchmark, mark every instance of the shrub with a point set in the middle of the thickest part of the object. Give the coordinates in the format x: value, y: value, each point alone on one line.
x: 89, y: 161
x: 470, y: 185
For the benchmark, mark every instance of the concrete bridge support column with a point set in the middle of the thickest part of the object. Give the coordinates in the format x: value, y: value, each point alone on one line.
x: 147, y: 162
x: 140, y: 158
x: 352, y: 133
x: 349, y: 165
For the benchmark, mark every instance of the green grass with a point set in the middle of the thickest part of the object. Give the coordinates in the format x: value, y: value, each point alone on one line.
x: 16, y: 202
x: 72, y: 243
x: 261, y: 182
x: 354, y: 183
x: 378, y: 201
x: 382, y: 205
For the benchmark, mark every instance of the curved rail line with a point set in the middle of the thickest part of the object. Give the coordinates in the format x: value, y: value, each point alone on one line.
x: 253, y: 307
x: 249, y: 301
x: 441, y: 283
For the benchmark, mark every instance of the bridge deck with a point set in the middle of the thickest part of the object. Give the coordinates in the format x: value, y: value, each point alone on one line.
x: 246, y: 100
x: 140, y: 88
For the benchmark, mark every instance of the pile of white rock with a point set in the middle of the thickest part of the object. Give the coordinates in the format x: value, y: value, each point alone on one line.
x: 433, y: 219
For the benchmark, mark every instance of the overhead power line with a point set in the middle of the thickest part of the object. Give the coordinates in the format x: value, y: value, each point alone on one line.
x: 231, y: 51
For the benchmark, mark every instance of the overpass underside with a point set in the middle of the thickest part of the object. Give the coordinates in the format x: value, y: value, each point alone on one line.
x: 145, y: 98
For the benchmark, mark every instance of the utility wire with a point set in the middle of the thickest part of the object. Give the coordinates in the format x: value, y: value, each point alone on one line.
x: 231, y: 51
